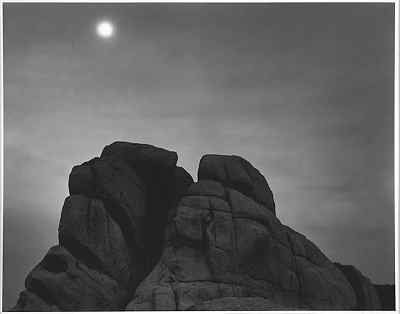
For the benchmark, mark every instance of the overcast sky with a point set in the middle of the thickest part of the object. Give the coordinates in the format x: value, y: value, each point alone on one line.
x: 304, y: 92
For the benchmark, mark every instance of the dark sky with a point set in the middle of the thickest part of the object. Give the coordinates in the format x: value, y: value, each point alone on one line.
x: 303, y: 91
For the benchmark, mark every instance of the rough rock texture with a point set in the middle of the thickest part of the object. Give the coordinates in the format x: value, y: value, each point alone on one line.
x: 88, y: 231
x: 221, y: 243
x: 110, y: 232
x: 63, y: 281
x: 119, y: 187
x: 387, y: 296
x: 31, y: 302
x: 239, y: 174
x: 136, y: 233
x: 239, y: 304
x: 367, y: 296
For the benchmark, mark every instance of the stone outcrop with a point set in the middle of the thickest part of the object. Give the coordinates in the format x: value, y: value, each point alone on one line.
x: 239, y: 304
x: 29, y: 301
x: 387, y: 296
x: 110, y: 231
x: 87, y: 230
x: 239, y: 174
x: 367, y: 296
x: 69, y: 284
x: 221, y: 244
x: 137, y: 233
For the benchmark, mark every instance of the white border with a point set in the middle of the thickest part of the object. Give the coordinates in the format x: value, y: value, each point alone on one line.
x: 396, y: 151
x: 205, y: 2
x: 1, y: 154
x: 396, y: 135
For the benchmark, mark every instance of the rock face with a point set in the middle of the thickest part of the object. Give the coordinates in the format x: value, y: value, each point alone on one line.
x: 69, y: 284
x: 88, y: 231
x: 387, y: 296
x: 239, y: 174
x: 136, y: 233
x: 239, y: 304
x: 29, y: 301
x: 367, y: 296
x: 222, y: 244
x: 110, y: 231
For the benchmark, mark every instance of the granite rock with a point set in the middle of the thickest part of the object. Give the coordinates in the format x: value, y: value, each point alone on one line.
x: 367, y: 296
x: 62, y: 280
x: 221, y: 243
x: 137, y: 233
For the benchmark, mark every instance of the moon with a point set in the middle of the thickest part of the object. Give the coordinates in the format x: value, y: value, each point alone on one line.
x: 105, y: 29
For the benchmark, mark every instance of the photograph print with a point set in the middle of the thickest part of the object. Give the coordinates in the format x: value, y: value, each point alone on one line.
x: 198, y: 156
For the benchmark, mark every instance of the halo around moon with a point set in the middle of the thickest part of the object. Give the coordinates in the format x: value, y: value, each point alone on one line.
x: 105, y: 29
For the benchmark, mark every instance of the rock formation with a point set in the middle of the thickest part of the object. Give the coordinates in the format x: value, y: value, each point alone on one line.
x: 110, y: 232
x: 386, y: 295
x: 366, y: 294
x: 136, y: 233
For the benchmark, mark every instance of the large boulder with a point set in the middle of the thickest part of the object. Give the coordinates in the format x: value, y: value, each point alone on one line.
x: 223, y: 242
x: 28, y: 301
x: 367, y: 296
x: 239, y: 174
x: 63, y: 281
x: 88, y: 231
x: 387, y: 296
x: 136, y: 233
x: 119, y: 187
x: 138, y: 184
x: 141, y: 155
x: 111, y: 229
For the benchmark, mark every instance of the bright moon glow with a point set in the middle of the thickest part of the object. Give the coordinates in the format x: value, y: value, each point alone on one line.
x: 105, y: 29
